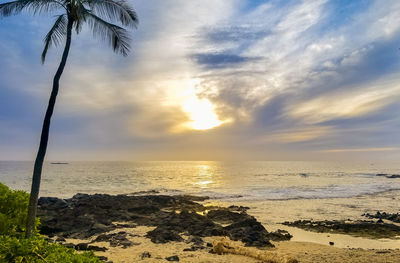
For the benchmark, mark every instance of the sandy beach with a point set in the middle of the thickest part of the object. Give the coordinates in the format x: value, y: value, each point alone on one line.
x: 304, y: 252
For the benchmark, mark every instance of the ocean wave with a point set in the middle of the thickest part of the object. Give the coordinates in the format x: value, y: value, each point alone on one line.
x: 296, y: 193
x: 158, y: 191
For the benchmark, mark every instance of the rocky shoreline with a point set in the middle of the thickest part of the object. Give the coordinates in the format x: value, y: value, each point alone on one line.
x: 359, y: 228
x: 92, y: 216
x: 153, y: 227
x: 394, y: 217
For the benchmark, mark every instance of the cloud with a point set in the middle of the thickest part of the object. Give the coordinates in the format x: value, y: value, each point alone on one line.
x: 297, y: 135
x: 361, y: 150
x: 353, y: 103
x: 213, y: 61
x: 290, y: 76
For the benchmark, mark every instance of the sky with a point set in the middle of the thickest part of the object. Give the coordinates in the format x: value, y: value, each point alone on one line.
x: 212, y: 80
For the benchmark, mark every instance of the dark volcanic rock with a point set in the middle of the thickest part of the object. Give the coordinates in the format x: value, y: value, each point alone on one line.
x: 86, y: 246
x: 115, y: 239
x: 198, y: 241
x: 103, y: 238
x: 172, y: 258
x: 224, y: 216
x: 102, y: 258
x: 84, y: 216
x: 250, y: 232
x: 184, y: 222
x: 388, y: 216
x: 82, y: 246
x: 145, y: 254
x: 163, y: 235
x: 97, y: 248
x: 238, y: 208
x: 280, y: 235
x: 60, y: 239
x: 369, y: 229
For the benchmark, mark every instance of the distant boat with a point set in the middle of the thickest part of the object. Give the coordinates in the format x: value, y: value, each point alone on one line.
x: 59, y: 163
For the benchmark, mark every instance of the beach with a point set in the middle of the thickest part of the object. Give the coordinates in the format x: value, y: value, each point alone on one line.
x: 159, y: 228
x: 306, y: 252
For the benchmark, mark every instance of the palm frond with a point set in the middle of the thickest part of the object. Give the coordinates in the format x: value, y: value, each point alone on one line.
x: 114, y: 10
x: 115, y: 35
x: 78, y: 13
x: 34, y: 6
x: 56, y: 34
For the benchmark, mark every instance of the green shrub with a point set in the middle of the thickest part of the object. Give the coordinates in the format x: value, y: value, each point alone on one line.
x: 38, y: 250
x: 13, y: 211
x: 15, y: 248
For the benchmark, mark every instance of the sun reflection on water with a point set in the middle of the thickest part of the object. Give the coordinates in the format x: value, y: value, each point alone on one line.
x: 204, y: 178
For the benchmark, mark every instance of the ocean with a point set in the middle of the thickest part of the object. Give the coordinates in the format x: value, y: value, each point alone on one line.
x: 275, y: 191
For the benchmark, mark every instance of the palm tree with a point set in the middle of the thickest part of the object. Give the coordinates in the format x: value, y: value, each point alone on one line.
x: 72, y: 14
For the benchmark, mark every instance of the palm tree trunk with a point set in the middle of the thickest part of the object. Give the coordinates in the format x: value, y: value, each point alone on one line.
x: 37, y: 170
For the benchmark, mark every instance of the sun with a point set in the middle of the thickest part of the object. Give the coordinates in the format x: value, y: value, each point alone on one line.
x: 201, y: 113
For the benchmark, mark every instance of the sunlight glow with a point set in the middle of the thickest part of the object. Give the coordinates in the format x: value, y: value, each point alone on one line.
x: 201, y: 113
